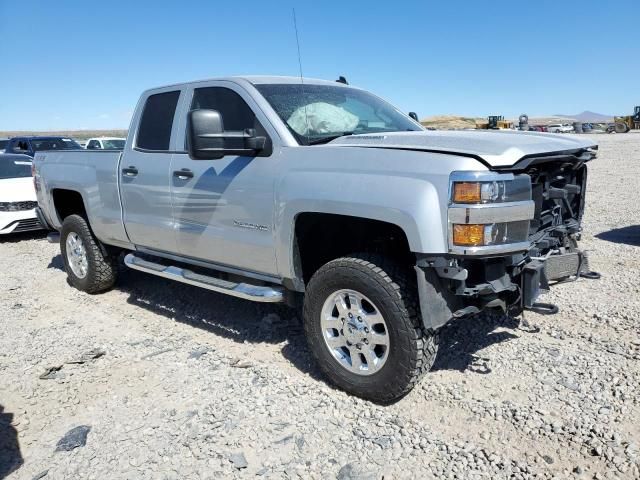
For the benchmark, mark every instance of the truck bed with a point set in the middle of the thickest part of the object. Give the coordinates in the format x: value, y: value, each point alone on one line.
x: 92, y: 173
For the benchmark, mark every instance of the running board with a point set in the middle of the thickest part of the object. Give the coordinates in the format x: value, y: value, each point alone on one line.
x: 53, y: 237
x: 241, y: 290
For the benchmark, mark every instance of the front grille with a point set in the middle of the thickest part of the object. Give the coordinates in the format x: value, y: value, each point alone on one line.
x: 558, y: 193
x: 28, y: 224
x: 17, y: 206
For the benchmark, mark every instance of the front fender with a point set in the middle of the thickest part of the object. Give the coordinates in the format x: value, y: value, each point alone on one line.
x: 413, y: 204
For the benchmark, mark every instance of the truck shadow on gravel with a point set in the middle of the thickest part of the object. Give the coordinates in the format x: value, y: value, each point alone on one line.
x: 244, y: 321
x: 629, y: 235
x: 461, y: 340
x: 10, y: 455
x: 23, y: 236
x: 241, y: 321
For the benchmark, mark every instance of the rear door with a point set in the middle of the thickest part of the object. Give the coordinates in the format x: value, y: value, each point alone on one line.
x: 145, y: 173
x: 224, y: 209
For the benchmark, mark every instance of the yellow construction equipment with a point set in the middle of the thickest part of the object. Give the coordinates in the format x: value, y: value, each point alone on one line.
x: 495, y: 122
x: 628, y: 122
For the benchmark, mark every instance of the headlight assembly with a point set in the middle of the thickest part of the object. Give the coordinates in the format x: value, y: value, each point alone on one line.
x: 489, y: 212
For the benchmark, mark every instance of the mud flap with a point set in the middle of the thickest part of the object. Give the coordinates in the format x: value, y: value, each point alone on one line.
x: 436, y: 303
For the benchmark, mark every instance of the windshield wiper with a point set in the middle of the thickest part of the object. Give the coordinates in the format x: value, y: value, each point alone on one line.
x: 318, y: 141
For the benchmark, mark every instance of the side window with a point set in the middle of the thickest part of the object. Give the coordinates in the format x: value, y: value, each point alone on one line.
x: 236, y: 114
x: 154, y: 132
x: 93, y: 144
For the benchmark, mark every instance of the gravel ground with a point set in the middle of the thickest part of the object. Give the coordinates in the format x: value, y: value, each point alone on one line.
x: 190, y: 384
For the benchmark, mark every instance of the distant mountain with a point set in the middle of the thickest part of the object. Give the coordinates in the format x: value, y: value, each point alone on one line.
x: 588, y: 116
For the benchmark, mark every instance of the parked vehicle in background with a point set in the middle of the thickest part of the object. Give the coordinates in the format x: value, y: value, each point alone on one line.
x: 3, y: 144
x: 30, y: 145
x: 106, y: 143
x: 559, y: 128
x: 17, y: 195
x: 274, y: 190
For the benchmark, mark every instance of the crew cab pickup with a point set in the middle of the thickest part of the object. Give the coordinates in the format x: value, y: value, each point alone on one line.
x: 30, y: 145
x: 317, y: 193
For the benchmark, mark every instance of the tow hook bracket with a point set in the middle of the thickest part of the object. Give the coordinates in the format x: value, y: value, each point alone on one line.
x: 533, y: 280
x: 591, y: 275
x: 453, y: 273
x: 543, y: 308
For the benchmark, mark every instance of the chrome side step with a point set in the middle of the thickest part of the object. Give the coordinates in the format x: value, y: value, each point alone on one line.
x: 256, y: 293
x: 53, y: 237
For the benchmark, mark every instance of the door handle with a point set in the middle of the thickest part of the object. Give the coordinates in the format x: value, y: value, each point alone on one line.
x: 130, y: 171
x: 183, y: 174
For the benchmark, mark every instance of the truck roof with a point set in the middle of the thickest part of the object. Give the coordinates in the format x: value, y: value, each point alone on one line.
x: 260, y: 80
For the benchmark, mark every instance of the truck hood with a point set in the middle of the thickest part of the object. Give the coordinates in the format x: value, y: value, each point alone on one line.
x: 17, y: 190
x: 496, y: 148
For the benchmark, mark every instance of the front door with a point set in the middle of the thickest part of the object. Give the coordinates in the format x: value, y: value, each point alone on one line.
x: 145, y: 178
x: 224, y: 209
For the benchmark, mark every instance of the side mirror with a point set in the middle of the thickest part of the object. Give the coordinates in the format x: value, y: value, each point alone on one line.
x: 414, y: 115
x: 208, y: 140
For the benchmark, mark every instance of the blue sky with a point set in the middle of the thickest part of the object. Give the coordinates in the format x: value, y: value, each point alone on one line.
x: 70, y: 64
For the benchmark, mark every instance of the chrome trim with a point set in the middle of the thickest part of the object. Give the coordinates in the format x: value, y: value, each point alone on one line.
x: 492, y: 212
x: 353, y: 333
x: 480, y: 176
x: 53, y: 237
x: 490, y: 249
x: 210, y: 265
x: 241, y: 290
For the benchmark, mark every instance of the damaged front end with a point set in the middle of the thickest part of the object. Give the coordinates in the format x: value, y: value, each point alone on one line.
x: 512, y: 234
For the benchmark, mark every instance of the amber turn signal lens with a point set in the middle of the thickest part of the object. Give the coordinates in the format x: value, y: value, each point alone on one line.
x: 471, y: 235
x: 466, y: 192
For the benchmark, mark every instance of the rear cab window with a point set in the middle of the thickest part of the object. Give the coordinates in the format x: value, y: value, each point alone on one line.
x: 156, y: 121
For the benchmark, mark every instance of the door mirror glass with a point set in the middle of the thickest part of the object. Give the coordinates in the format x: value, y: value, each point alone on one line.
x: 414, y: 115
x: 208, y: 140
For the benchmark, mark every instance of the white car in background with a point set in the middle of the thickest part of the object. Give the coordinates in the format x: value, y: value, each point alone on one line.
x: 105, y: 143
x: 560, y: 128
x: 17, y: 195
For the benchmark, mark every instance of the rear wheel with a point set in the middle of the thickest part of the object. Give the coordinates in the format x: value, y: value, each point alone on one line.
x: 89, y: 266
x: 363, y: 328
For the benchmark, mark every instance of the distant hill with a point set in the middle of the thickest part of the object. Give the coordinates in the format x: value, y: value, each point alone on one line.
x: 77, y: 134
x: 450, y: 122
x: 588, y: 116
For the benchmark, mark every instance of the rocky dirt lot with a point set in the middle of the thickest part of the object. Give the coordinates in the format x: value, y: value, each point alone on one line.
x: 189, y: 384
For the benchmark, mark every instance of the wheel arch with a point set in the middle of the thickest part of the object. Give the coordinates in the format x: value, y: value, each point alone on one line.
x: 408, y: 205
x: 68, y: 202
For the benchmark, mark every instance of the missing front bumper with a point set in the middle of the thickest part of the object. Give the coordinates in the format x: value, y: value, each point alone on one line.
x: 451, y: 289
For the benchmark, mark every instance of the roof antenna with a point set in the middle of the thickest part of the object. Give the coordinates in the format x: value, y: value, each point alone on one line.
x: 341, y: 79
x: 295, y: 26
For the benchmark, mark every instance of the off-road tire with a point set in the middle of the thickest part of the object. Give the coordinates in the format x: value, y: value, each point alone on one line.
x: 102, y: 266
x: 412, y: 350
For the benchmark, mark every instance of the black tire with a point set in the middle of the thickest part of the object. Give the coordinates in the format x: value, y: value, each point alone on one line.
x: 412, y: 350
x: 102, y: 267
x: 621, y: 127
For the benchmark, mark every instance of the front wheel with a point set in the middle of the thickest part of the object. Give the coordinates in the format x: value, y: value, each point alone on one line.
x: 89, y: 266
x: 363, y: 327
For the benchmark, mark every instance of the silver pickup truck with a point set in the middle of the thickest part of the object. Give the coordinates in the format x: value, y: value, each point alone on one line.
x: 316, y: 193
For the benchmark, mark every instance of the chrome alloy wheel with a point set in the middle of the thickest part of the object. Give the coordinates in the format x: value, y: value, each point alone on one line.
x: 355, y: 332
x: 77, y: 255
